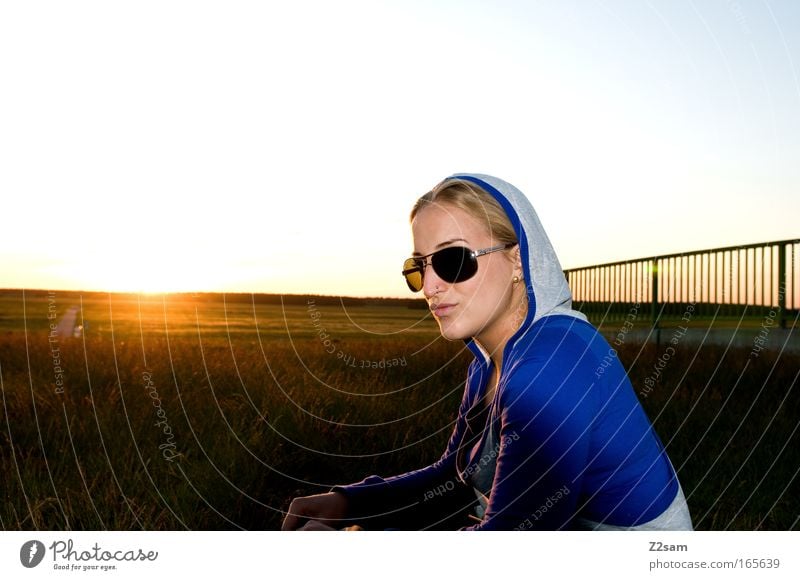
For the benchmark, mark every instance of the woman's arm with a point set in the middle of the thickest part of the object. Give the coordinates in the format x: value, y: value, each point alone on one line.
x: 545, y: 425
x: 433, y: 491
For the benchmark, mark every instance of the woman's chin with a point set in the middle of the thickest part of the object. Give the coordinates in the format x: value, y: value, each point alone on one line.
x: 451, y: 331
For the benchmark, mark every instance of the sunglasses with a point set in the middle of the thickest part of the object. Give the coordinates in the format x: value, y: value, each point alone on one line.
x: 453, y: 264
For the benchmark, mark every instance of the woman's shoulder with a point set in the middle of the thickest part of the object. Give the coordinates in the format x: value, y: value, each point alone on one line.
x: 554, y: 353
x: 556, y: 338
x: 564, y: 323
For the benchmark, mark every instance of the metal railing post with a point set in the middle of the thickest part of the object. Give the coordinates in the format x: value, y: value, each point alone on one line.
x: 654, y: 303
x: 782, y: 282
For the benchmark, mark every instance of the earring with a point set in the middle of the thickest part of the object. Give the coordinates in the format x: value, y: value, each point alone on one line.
x: 515, y: 280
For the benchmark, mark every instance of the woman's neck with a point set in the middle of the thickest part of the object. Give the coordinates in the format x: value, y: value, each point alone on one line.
x: 493, y: 341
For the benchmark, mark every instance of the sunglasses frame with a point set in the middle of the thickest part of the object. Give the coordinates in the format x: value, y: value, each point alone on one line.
x: 427, y: 260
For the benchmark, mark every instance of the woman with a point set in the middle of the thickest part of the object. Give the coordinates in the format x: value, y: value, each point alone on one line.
x: 542, y: 440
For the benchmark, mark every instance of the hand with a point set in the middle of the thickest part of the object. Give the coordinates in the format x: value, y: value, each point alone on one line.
x: 316, y: 526
x: 325, y: 507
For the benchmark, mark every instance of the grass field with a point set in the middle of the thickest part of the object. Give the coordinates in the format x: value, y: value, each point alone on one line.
x: 174, y: 413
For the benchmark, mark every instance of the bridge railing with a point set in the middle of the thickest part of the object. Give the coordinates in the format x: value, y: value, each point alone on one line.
x: 753, y: 280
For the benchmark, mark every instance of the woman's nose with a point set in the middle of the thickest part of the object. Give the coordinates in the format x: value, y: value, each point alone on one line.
x: 431, y: 283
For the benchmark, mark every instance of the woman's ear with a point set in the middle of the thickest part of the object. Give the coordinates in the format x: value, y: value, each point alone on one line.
x: 518, y: 271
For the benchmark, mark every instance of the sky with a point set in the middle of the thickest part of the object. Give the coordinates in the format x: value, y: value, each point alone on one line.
x: 279, y: 146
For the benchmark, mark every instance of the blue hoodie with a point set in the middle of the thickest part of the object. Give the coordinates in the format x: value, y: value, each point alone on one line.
x: 564, y: 438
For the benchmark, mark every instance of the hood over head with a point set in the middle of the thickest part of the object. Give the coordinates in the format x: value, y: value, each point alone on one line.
x: 545, y: 282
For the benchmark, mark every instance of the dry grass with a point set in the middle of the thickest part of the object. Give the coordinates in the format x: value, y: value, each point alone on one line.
x: 259, y: 409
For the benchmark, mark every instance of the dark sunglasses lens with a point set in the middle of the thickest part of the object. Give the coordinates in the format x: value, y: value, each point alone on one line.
x: 454, y: 264
x: 412, y: 270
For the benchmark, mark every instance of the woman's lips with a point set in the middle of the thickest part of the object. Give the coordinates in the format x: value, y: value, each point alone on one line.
x: 442, y: 309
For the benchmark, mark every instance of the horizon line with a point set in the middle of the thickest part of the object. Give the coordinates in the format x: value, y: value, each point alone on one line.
x: 206, y: 292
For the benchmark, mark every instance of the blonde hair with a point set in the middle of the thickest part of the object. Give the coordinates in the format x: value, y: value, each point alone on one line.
x: 475, y: 201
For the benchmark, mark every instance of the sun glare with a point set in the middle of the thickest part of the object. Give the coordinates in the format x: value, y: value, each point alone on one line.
x: 150, y: 270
